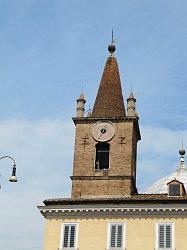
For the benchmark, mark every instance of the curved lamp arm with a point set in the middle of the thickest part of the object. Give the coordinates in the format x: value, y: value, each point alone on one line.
x: 13, y: 177
x: 6, y: 156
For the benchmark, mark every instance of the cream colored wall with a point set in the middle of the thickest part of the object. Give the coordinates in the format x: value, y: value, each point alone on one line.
x: 140, y: 233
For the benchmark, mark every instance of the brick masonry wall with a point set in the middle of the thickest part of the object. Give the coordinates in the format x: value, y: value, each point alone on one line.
x: 104, y: 188
x: 122, y: 161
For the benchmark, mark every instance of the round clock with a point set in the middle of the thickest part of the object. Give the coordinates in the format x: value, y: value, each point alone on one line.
x: 103, y: 131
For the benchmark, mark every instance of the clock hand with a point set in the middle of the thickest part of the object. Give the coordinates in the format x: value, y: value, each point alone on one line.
x: 100, y: 136
x: 103, y: 131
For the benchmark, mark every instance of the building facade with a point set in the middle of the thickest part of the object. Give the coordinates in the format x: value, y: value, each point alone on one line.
x: 105, y: 211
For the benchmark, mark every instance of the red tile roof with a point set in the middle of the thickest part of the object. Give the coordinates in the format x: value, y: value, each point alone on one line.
x: 139, y: 198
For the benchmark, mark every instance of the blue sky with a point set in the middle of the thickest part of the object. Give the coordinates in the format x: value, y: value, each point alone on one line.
x: 49, y: 50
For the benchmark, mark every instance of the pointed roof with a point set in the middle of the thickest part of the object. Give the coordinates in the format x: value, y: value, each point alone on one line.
x: 81, y: 97
x: 109, y: 101
x: 131, y: 96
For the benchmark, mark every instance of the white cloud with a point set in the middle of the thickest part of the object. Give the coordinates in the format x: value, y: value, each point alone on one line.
x: 43, y: 151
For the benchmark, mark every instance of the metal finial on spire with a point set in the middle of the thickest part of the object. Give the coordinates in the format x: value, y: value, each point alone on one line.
x: 112, y: 47
x: 182, y: 150
x: 131, y: 95
x: 182, y: 153
x: 112, y: 37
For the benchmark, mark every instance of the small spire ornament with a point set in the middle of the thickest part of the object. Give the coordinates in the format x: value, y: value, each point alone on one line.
x: 112, y: 47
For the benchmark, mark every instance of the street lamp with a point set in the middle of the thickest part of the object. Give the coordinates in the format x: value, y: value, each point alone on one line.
x: 13, y: 177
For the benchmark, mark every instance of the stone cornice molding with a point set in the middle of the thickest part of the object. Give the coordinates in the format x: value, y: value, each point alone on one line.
x: 134, y: 119
x: 113, y: 119
x: 167, y: 210
x: 117, y: 177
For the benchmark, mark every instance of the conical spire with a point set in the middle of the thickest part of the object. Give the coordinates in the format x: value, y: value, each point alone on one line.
x: 109, y: 101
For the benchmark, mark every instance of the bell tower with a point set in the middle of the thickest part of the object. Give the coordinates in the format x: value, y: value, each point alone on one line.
x: 106, y: 141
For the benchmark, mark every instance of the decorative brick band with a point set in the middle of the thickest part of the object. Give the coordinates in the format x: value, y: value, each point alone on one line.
x: 117, y: 177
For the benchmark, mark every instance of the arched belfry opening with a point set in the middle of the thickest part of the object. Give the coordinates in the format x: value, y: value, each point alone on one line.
x: 102, y: 151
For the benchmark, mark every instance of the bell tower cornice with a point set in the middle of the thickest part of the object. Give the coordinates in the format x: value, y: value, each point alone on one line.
x: 92, y: 120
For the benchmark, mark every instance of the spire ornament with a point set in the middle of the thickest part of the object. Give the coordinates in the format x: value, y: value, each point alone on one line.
x: 112, y: 47
x: 182, y: 150
x: 182, y: 153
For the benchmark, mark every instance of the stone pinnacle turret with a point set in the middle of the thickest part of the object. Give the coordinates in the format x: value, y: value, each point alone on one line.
x: 131, y: 105
x: 81, y: 105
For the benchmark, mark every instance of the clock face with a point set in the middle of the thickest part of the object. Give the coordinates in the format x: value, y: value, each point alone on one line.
x: 103, y: 131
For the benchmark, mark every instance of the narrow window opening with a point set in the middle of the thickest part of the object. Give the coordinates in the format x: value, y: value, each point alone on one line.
x: 165, y: 236
x: 69, y: 236
x: 102, y: 156
x: 116, y: 236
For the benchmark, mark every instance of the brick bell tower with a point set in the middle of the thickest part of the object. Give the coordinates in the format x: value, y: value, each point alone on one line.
x: 106, y: 140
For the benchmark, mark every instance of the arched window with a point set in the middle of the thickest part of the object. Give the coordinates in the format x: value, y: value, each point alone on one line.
x: 102, y: 156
